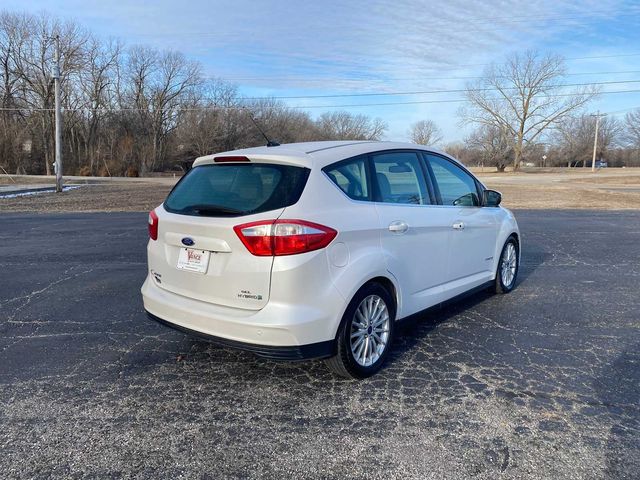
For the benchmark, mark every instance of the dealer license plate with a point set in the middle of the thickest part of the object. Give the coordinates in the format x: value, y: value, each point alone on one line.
x: 193, y: 260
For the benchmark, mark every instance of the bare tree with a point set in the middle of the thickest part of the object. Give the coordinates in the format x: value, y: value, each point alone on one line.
x: 632, y: 128
x: 342, y: 125
x: 464, y: 153
x: 137, y: 110
x: 12, y: 119
x: 494, y: 145
x: 130, y: 111
x: 98, y: 96
x: 158, y: 84
x: 206, y: 124
x: 425, y: 132
x: 33, y: 65
x: 279, y: 122
x: 575, y: 135
x: 523, y: 97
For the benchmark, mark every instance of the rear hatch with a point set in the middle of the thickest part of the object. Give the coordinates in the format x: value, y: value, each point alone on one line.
x: 198, y: 254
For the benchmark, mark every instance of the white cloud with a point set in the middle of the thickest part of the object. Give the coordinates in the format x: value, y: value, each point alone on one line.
x: 308, y: 47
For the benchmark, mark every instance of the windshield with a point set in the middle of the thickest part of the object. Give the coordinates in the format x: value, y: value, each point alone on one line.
x: 236, y: 189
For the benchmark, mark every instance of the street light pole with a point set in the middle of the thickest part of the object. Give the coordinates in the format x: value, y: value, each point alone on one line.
x: 58, y: 114
x: 595, y: 144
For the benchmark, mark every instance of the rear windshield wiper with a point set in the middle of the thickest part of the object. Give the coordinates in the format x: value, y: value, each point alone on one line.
x: 211, y: 210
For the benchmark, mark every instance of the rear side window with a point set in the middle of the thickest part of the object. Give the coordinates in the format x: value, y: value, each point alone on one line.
x: 227, y: 190
x: 351, y: 177
x: 400, y: 178
x: 456, y: 186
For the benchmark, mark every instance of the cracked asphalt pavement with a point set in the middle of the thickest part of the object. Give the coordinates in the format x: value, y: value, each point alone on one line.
x: 541, y: 383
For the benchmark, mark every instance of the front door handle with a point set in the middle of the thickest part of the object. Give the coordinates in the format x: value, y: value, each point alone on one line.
x: 458, y: 226
x: 398, y: 227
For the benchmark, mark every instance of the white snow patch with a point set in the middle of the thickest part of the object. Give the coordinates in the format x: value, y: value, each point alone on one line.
x: 37, y: 192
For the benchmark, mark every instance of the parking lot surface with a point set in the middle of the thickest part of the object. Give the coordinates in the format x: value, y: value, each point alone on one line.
x: 541, y: 383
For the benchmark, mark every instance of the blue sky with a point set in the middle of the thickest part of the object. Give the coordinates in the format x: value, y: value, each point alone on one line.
x: 299, y: 48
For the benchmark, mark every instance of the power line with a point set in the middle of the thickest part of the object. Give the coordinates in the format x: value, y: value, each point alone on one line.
x: 306, y: 79
x: 460, y: 100
x: 426, y: 92
x: 605, y: 56
x: 222, y: 107
x: 602, y: 73
x: 621, y: 111
x: 374, y: 79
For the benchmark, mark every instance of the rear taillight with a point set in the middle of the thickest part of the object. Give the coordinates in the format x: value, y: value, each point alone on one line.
x: 153, y: 225
x: 284, y: 237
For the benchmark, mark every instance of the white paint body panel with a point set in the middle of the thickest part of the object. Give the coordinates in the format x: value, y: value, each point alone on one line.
x: 303, y: 297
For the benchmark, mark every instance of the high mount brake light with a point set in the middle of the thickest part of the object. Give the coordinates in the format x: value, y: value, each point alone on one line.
x: 284, y: 237
x: 230, y: 159
x: 153, y: 225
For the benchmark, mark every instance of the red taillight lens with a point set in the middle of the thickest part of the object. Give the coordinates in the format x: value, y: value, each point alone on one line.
x: 256, y: 237
x: 153, y: 225
x: 284, y: 237
x: 230, y: 159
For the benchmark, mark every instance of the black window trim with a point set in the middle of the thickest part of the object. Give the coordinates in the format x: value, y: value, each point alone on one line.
x: 476, y: 182
x: 433, y: 186
x: 427, y: 172
x: 425, y: 177
x: 367, y: 172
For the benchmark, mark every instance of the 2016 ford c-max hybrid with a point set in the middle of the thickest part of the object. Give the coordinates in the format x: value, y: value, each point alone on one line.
x: 315, y: 250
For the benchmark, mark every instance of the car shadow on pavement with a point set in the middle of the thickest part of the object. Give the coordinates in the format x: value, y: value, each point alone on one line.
x: 410, y: 332
x: 531, y: 259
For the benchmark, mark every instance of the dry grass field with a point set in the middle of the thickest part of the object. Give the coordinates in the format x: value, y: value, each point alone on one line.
x: 606, y: 189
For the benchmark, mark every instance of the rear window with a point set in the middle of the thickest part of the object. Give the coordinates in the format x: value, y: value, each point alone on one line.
x: 230, y: 190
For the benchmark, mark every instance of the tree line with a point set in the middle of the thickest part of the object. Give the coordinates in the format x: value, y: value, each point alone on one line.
x: 569, y: 144
x: 136, y: 110
x: 130, y: 111
x: 525, y: 112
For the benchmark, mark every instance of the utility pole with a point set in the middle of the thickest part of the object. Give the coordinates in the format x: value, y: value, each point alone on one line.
x: 595, y: 143
x: 58, y: 113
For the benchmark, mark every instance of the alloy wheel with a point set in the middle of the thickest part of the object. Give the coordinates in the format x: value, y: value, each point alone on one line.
x: 370, y: 330
x: 509, y: 264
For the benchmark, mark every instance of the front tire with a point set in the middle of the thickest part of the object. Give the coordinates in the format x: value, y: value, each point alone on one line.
x: 508, y: 266
x: 366, y: 333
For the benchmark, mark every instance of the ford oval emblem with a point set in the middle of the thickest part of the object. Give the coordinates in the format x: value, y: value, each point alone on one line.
x: 188, y: 241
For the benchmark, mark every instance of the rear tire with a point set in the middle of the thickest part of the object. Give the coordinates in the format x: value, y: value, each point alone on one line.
x: 365, y: 334
x: 508, y: 266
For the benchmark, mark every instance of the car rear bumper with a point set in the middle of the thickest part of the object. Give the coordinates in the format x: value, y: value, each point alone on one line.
x: 279, y: 331
x: 292, y: 353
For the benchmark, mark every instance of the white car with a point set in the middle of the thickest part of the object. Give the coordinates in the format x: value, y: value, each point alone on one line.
x: 315, y: 250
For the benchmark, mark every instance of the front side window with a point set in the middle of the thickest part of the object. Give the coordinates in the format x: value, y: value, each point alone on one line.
x: 400, y: 178
x: 351, y: 177
x: 456, y: 186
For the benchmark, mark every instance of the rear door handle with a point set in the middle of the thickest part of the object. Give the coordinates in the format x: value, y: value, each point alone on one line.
x: 458, y: 226
x: 398, y: 227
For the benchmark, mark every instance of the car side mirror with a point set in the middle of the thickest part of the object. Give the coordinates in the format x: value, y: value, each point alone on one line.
x: 467, y: 200
x: 491, y: 198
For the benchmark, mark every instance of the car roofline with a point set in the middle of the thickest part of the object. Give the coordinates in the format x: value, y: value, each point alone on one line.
x: 319, y: 154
